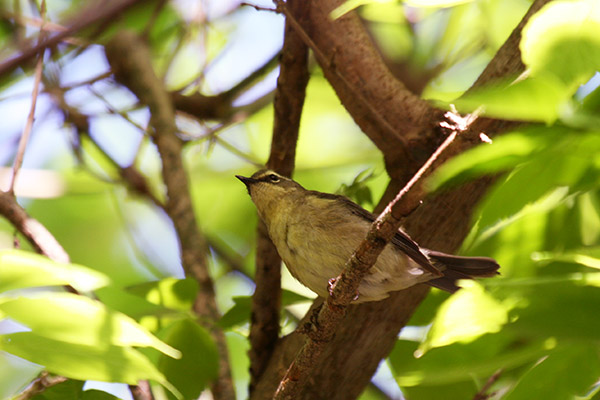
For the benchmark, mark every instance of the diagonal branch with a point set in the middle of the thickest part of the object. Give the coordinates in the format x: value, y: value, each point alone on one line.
x: 220, y: 106
x: 39, y: 67
x: 130, y: 62
x: 346, y: 285
x: 368, y: 332
x: 99, y: 11
x: 36, y: 233
x: 289, y: 100
x: 386, y: 111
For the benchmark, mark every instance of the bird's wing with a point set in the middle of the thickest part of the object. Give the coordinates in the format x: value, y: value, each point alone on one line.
x: 401, y: 240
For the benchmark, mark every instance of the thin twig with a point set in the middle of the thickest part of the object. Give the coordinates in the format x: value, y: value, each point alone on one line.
x: 99, y: 11
x: 39, y: 237
x: 482, y: 393
x: 39, y: 67
x: 346, y: 285
x: 87, y: 82
x: 39, y: 385
x: 259, y: 8
x: 114, y: 111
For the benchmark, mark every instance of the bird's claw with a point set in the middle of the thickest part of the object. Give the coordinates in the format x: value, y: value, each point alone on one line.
x: 331, y: 285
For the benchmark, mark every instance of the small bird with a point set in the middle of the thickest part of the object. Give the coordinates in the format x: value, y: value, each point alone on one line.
x: 315, y: 233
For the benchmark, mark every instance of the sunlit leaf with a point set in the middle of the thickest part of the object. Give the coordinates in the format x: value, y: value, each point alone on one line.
x: 177, y: 294
x: 546, y: 179
x: 350, y: 5
x: 564, y: 308
x: 199, y: 362
x: 130, y: 304
x: 73, y: 389
x: 465, y: 316
x: 21, y: 269
x: 589, y: 209
x: 503, y: 153
x: 461, y: 362
x: 590, y: 257
x: 238, y: 314
x: 435, y: 3
x: 80, y: 320
x: 562, y: 39
x: 109, y: 363
x: 538, y: 99
x: 563, y: 374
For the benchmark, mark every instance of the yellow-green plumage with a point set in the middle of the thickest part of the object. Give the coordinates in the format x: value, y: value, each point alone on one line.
x: 315, y: 234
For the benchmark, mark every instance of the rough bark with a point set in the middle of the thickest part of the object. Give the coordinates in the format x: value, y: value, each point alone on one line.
x: 130, y: 61
x: 288, y: 104
x: 351, y: 66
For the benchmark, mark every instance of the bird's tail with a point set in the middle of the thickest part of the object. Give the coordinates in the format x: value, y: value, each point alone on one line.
x: 457, y: 267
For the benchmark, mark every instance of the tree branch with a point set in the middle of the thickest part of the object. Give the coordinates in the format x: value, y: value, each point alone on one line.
x: 39, y: 237
x: 99, y: 11
x: 39, y: 385
x: 39, y: 67
x: 289, y: 100
x: 386, y: 111
x: 441, y: 222
x: 220, y: 107
x: 359, y: 264
x: 130, y: 62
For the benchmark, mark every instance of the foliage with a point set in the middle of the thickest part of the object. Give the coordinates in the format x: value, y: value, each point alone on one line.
x: 534, y: 329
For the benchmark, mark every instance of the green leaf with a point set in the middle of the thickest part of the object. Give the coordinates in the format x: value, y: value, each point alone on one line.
x: 73, y: 389
x: 77, y: 361
x: 130, y: 304
x: 350, y: 5
x: 94, y: 394
x: 20, y: 269
x: 465, y: 316
x: 358, y: 189
x: 590, y: 257
x: 545, y: 180
x: 565, y: 373
x: 461, y: 362
x: 200, y: 361
x: 564, y: 307
x: 177, y: 294
x: 70, y: 389
x: 562, y: 40
x: 289, y: 297
x: 538, y: 99
x: 240, y: 312
x: 507, y: 151
x: 80, y: 320
x: 435, y: 3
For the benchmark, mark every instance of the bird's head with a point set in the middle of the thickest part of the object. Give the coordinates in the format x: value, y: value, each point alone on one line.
x: 270, y: 190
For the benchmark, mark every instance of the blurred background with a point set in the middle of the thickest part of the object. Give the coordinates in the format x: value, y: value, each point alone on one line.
x: 541, y: 221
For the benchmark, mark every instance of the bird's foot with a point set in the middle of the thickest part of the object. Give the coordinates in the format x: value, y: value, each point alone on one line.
x: 331, y: 285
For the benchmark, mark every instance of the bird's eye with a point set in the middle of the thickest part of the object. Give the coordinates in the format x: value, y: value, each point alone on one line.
x: 274, y: 178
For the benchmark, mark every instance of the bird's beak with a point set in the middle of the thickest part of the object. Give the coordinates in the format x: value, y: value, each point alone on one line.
x: 247, y: 181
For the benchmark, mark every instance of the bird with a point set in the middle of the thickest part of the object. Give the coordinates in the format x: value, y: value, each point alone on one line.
x: 315, y: 234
